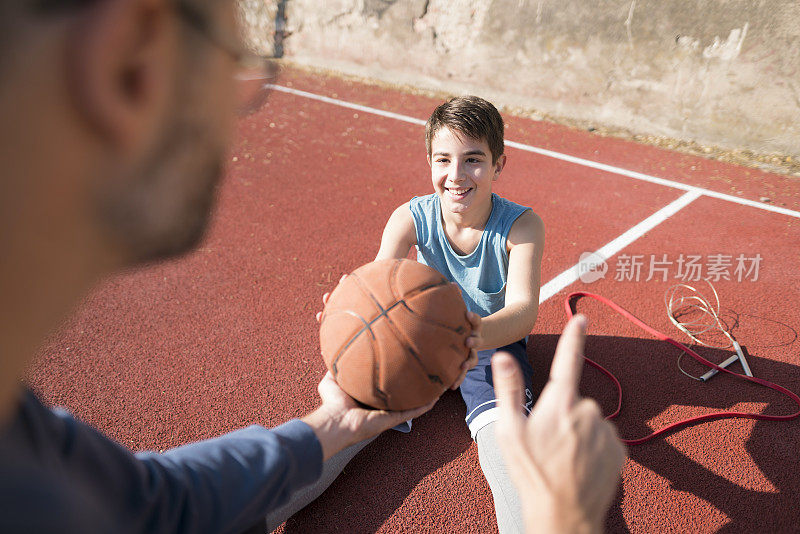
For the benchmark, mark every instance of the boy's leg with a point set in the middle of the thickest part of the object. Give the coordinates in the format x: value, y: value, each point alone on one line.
x: 507, y: 505
x: 301, y: 498
x: 477, y: 390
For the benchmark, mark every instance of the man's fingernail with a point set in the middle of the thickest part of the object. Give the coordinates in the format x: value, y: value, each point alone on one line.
x: 582, y: 322
x: 505, y: 367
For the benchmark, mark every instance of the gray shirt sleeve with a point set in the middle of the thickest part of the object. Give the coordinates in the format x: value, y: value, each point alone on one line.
x: 225, y: 484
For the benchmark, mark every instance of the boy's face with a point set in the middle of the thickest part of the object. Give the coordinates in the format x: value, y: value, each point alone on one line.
x: 462, y: 171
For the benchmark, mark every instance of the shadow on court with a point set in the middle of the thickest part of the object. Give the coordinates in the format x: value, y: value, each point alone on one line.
x: 655, y: 391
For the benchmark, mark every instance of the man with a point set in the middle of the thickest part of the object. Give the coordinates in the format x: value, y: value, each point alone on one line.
x: 114, y: 118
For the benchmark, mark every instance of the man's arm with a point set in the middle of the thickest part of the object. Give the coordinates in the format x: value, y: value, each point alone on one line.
x: 516, y: 319
x: 399, y: 235
x: 219, y: 485
x: 224, y: 484
x: 241, y: 476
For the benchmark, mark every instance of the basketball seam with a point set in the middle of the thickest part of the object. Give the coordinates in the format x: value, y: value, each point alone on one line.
x: 402, y: 337
x: 432, y: 321
x: 417, y: 293
x: 421, y: 290
x: 409, y: 349
x: 376, y: 369
x: 342, y: 350
x: 366, y: 290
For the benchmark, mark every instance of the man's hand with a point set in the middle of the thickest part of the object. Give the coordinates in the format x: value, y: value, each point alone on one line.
x: 341, y: 421
x: 565, y: 459
x: 473, y: 341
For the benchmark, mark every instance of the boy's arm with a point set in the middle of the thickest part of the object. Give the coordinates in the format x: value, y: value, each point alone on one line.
x: 516, y: 319
x: 399, y: 235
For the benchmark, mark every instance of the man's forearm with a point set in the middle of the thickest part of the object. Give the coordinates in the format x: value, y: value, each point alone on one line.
x: 330, y: 433
x: 508, y: 325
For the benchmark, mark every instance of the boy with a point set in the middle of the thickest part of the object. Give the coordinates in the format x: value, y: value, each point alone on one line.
x: 491, y: 247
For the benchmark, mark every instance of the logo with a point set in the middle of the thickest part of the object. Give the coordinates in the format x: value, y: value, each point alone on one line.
x: 591, y: 267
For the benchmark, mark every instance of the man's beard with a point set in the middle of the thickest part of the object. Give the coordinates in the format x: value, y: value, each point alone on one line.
x: 162, y: 208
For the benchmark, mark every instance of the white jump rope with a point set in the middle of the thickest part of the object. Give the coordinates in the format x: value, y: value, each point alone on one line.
x: 690, y: 301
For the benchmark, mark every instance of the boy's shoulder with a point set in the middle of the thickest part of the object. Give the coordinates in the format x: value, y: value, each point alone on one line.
x: 527, y: 228
x: 519, y: 214
x: 510, y: 203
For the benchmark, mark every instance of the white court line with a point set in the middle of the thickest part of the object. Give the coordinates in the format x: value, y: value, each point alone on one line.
x: 552, y: 154
x: 344, y: 104
x: 571, y: 275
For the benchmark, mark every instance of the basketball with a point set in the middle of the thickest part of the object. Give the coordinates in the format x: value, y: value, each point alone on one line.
x: 392, y: 334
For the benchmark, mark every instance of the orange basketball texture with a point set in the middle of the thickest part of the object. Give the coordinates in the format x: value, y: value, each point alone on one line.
x: 393, y: 333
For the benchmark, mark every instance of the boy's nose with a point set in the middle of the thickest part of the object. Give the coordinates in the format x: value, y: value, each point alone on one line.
x: 457, y: 172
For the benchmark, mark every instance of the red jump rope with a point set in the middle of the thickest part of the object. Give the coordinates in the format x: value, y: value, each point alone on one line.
x: 718, y: 368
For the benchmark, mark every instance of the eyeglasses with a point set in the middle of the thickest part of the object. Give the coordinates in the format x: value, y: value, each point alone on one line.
x: 253, y: 72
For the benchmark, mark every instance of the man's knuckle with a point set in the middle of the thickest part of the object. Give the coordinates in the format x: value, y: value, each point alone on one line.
x: 590, y: 409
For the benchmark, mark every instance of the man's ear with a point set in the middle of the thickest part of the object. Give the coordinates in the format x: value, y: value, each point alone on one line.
x: 498, y: 166
x: 121, y: 60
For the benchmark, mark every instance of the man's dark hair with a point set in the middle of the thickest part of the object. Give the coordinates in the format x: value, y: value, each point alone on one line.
x: 15, y: 18
x: 46, y: 6
x: 15, y: 15
x: 471, y: 116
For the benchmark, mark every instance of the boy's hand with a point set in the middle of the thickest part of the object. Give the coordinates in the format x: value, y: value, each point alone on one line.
x: 473, y: 341
x: 325, y: 298
x: 564, y: 459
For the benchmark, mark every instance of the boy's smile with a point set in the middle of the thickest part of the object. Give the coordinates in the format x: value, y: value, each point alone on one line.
x: 462, y: 173
x: 458, y: 194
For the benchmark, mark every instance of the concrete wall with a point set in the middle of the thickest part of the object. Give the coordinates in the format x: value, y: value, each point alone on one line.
x: 257, y: 20
x: 724, y: 72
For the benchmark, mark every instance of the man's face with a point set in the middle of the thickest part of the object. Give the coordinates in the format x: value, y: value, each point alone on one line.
x: 161, y: 206
x: 462, y: 171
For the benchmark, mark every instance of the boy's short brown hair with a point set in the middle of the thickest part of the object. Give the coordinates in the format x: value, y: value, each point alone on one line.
x: 471, y: 116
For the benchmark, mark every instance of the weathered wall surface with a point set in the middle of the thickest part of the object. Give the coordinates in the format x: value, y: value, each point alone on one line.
x: 257, y: 20
x: 723, y: 72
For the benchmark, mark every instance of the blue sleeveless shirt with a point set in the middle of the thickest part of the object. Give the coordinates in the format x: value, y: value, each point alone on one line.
x: 481, y: 274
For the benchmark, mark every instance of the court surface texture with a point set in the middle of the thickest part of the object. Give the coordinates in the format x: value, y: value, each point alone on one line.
x: 226, y: 336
